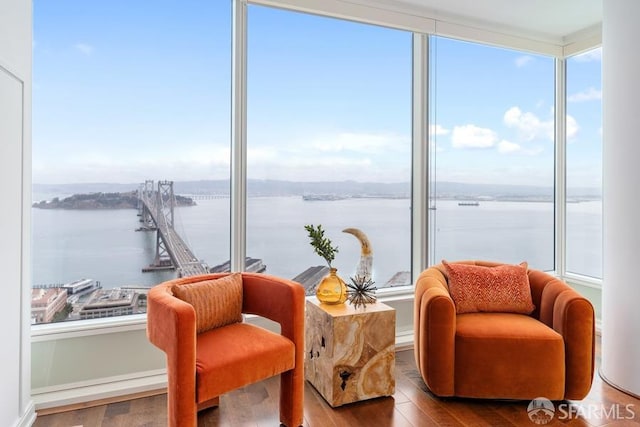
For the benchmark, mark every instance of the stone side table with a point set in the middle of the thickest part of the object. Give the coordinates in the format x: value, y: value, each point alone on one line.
x: 350, y: 352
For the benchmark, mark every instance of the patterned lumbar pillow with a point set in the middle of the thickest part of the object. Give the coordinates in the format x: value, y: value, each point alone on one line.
x: 217, y: 302
x: 504, y: 288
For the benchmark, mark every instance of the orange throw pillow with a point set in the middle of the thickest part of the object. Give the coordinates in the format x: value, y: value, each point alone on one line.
x: 504, y: 288
x: 217, y: 302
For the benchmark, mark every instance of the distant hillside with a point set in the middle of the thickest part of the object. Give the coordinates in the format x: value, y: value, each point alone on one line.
x: 446, y: 190
x: 267, y: 188
x: 222, y: 187
x: 128, y: 200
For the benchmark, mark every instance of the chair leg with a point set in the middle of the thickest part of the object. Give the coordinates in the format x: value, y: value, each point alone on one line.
x: 292, y: 397
x: 209, y: 403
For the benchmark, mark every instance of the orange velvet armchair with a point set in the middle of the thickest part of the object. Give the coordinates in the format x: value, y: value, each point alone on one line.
x: 549, y: 353
x: 201, y: 367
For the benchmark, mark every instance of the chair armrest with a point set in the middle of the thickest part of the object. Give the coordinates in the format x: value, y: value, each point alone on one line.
x: 574, y: 319
x: 282, y: 301
x: 171, y: 326
x: 277, y: 299
x: 434, y: 332
x: 572, y: 316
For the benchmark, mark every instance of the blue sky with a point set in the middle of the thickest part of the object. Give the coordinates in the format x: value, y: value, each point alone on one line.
x: 124, y: 92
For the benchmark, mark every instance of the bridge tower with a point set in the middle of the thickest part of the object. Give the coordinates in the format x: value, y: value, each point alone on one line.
x: 165, y: 204
x: 172, y: 252
x: 146, y: 193
x: 166, y: 201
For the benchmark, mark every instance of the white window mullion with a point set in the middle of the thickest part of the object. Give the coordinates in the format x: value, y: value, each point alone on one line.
x: 420, y: 157
x: 560, y: 200
x: 239, y: 136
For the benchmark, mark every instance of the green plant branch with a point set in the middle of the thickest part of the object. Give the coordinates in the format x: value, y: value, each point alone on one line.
x: 321, y: 245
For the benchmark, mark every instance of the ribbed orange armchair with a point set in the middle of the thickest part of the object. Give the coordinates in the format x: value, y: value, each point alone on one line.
x: 201, y: 367
x: 499, y: 355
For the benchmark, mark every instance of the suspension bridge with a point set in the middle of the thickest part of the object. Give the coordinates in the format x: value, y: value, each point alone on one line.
x: 156, y: 210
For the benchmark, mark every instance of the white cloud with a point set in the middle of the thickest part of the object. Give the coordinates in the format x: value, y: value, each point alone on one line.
x: 306, y: 157
x: 118, y: 164
x: 586, y: 95
x: 84, y: 48
x: 436, y: 143
x: 592, y: 55
x: 523, y: 60
x: 505, y: 146
x: 109, y: 170
x: 261, y: 154
x: 329, y: 167
x: 333, y: 156
x: 438, y: 130
x: 472, y: 136
x: 572, y: 127
x: 437, y: 146
x: 528, y: 125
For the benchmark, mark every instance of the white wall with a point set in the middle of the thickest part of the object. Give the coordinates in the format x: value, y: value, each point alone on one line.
x: 621, y: 152
x: 16, y: 407
x: 117, y: 359
x: 73, y: 366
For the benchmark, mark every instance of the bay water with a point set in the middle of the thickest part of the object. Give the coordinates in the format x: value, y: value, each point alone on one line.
x: 103, y: 245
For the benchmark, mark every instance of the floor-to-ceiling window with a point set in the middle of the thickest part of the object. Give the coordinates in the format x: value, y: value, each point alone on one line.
x: 125, y: 93
x: 584, y: 165
x: 329, y: 143
x: 492, y: 150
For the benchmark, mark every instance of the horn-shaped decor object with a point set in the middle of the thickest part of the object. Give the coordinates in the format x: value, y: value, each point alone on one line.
x: 365, y: 265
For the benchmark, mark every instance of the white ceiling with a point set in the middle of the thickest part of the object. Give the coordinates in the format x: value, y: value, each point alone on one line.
x: 544, y: 19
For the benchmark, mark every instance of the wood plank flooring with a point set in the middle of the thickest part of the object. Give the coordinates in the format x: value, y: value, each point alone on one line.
x: 411, y: 406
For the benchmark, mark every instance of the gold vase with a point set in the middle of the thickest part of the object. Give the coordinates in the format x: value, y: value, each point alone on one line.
x: 332, y: 289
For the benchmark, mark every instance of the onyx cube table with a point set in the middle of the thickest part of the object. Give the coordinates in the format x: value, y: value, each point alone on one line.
x: 350, y: 352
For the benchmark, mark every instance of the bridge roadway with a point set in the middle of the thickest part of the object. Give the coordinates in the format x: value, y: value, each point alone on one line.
x: 183, y: 259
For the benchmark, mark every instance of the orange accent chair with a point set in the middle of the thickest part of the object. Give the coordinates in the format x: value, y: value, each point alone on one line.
x: 501, y: 355
x: 201, y: 367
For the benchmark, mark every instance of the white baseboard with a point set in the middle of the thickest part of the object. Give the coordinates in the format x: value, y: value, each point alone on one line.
x: 104, y: 388
x: 404, y: 340
x: 29, y: 416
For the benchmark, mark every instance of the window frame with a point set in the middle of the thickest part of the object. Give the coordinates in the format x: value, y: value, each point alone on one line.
x: 570, y: 276
x: 421, y: 240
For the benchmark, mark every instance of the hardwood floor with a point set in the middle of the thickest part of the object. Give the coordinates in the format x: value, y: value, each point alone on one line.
x: 412, y: 405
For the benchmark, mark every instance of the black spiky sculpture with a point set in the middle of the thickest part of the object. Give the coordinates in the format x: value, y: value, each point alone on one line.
x: 361, y: 291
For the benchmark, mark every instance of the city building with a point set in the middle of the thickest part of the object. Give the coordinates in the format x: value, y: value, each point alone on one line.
x: 46, y: 302
x: 108, y: 303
